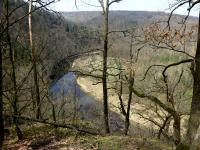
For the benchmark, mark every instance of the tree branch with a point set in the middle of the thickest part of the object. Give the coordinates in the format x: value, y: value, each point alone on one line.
x: 114, y: 1
x: 54, y: 124
x: 155, y: 100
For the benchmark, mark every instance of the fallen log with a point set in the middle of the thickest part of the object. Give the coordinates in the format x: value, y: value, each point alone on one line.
x: 68, y: 126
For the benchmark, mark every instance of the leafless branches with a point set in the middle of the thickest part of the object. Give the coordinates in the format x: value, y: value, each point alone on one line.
x: 114, y: 1
x: 175, y: 64
x: 44, y: 121
x: 176, y: 6
x: 101, y: 2
x: 42, y: 5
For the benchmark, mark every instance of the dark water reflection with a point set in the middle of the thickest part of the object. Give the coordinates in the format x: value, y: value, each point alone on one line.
x: 67, y: 87
x: 88, y: 107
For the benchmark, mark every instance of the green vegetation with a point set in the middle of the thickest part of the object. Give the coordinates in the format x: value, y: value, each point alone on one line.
x: 38, y: 136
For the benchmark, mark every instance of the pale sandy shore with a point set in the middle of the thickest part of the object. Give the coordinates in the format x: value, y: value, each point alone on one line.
x: 88, y: 85
x: 96, y: 91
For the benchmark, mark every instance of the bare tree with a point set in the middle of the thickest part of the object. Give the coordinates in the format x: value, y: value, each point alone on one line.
x: 161, y: 38
x: 1, y: 84
x: 105, y: 7
x: 130, y: 81
x: 1, y: 106
x: 104, y: 77
x: 34, y: 61
x: 194, y: 120
x: 1, y: 102
x: 13, y: 74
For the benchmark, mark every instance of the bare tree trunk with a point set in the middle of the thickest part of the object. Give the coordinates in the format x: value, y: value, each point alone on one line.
x: 130, y: 82
x: 75, y: 115
x: 127, y: 121
x: 126, y: 113
x: 53, y: 113
x: 166, y: 121
x: 194, y: 120
x: 104, y: 77
x: 122, y: 107
x: 15, y: 95
x: 1, y: 85
x: 177, y: 128
x: 36, y: 84
x: 79, y: 129
x: 1, y: 102
x: 13, y: 75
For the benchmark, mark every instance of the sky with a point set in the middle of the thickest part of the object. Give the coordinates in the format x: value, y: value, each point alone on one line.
x: 137, y: 5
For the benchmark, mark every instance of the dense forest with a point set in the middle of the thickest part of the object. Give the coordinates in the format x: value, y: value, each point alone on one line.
x: 109, y: 80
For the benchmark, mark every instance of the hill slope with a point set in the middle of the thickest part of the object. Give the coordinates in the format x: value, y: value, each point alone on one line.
x: 54, y: 35
x: 121, y: 18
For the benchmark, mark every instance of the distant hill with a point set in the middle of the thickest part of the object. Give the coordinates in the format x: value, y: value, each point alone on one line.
x: 120, y: 19
x: 85, y: 16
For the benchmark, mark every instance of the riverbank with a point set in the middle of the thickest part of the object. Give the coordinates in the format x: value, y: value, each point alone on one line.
x: 88, y: 86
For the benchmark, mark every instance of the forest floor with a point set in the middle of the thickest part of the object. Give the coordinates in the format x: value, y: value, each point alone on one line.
x: 43, y: 137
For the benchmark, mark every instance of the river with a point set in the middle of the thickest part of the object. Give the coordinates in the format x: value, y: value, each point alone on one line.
x: 67, y: 88
x: 89, y: 108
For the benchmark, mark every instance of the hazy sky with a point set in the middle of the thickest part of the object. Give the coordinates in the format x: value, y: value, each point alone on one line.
x: 147, y: 5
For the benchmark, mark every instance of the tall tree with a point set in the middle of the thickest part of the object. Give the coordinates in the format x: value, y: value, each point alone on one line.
x: 1, y: 83
x: 130, y: 82
x: 105, y: 7
x: 105, y: 57
x: 194, y: 120
x: 34, y: 61
x: 13, y: 75
x: 1, y: 102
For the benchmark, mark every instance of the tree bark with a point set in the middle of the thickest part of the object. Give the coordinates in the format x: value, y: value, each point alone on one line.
x: 79, y: 129
x: 194, y: 120
x: 1, y: 102
x: 104, y: 77
x: 127, y: 118
x: 1, y: 84
x: 54, y: 113
x: 36, y: 84
x: 130, y: 83
x: 13, y: 75
x: 177, y: 128
x: 122, y: 107
x: 163, y: 126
